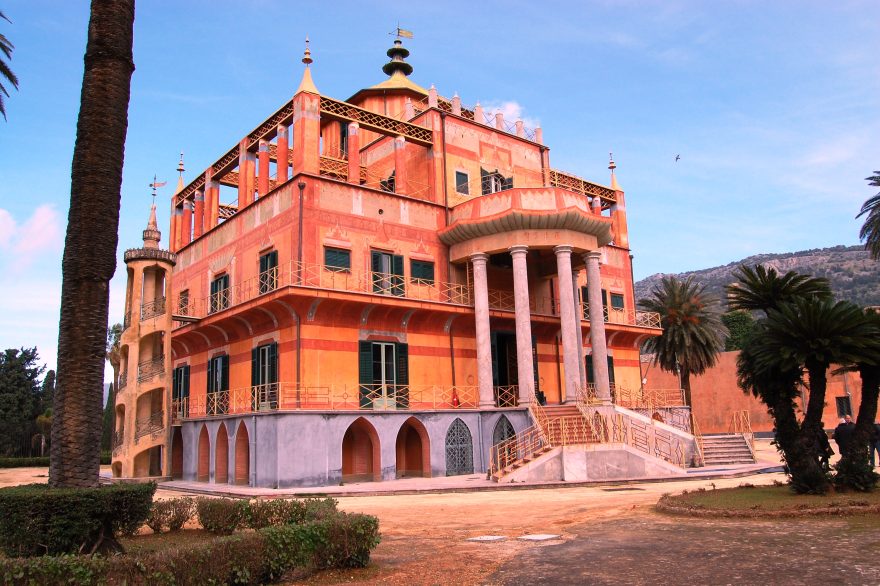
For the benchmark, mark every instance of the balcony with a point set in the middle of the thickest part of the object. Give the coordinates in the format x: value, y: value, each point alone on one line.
x: 122, y: 382
x: 116, y: 440
x: 150, y: 368
x: 153, y: 309
x: 320, y: 277
x: 290, y: 397
x: 152, y: 425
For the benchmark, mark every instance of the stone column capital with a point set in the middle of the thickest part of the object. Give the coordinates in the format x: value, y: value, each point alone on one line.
x: 593, y: 255
x: 562, y: 249
x: 479, y: 258
x: 518, y: 249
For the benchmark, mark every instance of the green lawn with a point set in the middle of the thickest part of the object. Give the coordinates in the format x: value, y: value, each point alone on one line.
x: 769, y: 498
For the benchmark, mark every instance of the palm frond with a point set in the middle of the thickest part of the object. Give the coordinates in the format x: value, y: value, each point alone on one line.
x: 761, y: 288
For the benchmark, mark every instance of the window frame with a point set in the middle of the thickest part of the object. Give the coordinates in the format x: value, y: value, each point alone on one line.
x: 336, y: 268
x: 465, y: 184
x: 216, y: 301
x: 422, y: 265
x: 268, y: 276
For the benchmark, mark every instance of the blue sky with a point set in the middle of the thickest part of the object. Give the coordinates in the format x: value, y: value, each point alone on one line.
x: 773, y: 107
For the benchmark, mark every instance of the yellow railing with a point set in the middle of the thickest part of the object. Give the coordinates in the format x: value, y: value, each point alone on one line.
x: 701, y: 461
x: 645, y: 398
x: 523, y: 445
x: 741, y: 422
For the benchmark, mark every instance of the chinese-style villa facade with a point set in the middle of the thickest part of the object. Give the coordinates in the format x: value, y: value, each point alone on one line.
x: 401, y: 286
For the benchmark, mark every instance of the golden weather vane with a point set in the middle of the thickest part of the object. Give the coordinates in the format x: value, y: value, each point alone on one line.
x: 399, y: 32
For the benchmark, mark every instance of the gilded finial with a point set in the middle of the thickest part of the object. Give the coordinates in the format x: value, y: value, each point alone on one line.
x: 307, y: 54
x: 180, y: 168
x: 611, y: 164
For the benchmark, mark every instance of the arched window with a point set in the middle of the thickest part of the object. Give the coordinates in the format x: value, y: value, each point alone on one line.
x: 503, y: 430
x: 459, y: 449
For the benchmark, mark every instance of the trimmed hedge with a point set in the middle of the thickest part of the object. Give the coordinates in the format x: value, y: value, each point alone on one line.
x: 40, y: 461
x: 170, y: 514
x: 38, y: 520
x: 269, y: 513
x: 343, y: 540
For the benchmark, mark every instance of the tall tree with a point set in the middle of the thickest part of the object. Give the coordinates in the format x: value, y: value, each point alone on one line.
x: 90, y: 245
x: 739, y: 326
x: 108, y: 424
x: 870, y: 231
x: 19, y: 398
x: 693, y: 334
x: 6, y: 73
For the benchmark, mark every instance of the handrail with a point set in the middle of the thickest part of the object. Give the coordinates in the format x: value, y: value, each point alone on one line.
x: 701, y: 460
x: 741, y: 423
x: 149, y: 425
x: 153, y: 308
x: 150, y: 368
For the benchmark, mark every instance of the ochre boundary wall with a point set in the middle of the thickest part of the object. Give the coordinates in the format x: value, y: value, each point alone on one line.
x: 716, y: 395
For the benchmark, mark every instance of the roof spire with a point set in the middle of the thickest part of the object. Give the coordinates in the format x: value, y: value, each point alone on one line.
x: 306, y: 84
x: 398, y: 53
x: 612, y: 166
x: 152, y: 234
x: 180, y: 171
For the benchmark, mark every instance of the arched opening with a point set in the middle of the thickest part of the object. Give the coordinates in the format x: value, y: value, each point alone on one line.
x: 204, y: 463
x: 117, y: 469
x: 413, y: 450
x: 459, y: 449
x: 361, y: 459
x: 503, y: 431
x: 242, y: 455
x: 148, y: 463
x: 221, y: 456
x: 177, y: 454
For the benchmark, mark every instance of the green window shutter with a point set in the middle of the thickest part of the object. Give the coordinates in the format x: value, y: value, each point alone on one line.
x: 397, y: 278
x: 224, y: 375
x: 485, y: 182
x: 255, y: 366
x: 422, y: 270
x: 186, y: 381
x: 591, y: 378
x: 611, y: 369
x: 585, y: 298
x: 365, y: 371
x: 211, y: 387
x: 402, y: 376
x: 507, y: 183
x: 264, y: 263
x: 175, y: 384
x: 617, y: 301
x: 273, y: 363
x: 273, y: 259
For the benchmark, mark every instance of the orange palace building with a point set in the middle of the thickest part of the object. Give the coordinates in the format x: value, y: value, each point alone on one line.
x: 401, y: 286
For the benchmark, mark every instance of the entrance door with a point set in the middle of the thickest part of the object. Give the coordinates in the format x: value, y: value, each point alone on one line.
x: 384, y: 373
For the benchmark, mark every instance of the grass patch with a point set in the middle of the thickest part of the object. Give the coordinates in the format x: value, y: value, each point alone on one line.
x: 756, y: 501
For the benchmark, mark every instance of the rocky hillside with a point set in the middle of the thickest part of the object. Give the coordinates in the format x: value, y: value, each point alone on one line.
x: 853, y: 275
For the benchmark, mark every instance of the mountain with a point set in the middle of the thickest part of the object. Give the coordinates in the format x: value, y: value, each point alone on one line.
x: 853, y: 275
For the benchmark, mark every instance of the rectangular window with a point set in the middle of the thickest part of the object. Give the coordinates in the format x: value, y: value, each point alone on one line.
x: 383, y: 375
x: 343, y: 138
x: 183, y: 302
x: 422, y: 272
x: 461, y: 182
x: 218, y: 383
x: 337, y: 259
x: 180, y: 391
x: 264, y: 376
x: 844, y: 406
x: 617, y: 301
x: 219, y: 294
x: 268, y: 271
x: 493, y: 182
x: 387, y: 272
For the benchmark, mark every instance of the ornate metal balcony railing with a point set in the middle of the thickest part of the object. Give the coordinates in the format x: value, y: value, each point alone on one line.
x: 290, y: 397
x: 152, y: 425
x: 268, y: 280
x: 153, y: 308
x: 126, y: 321
x: 219, y: 301
x: 150, y: 368
x: 122, y: 382
x: 117, y: 439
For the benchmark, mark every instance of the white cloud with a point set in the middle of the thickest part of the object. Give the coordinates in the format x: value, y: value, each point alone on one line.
x: 38, y: 235
x: 511, y: 110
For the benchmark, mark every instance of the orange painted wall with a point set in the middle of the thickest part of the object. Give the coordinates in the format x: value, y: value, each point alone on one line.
x: 716, y: 396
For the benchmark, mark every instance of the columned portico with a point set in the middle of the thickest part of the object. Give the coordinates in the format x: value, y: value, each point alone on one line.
x: 597, y: 326
x: 566, y: 315
x: 578, y: 315
x: 484, y: 341
x: 524, y: 363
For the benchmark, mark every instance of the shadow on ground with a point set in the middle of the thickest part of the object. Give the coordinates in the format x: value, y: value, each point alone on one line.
x: 656, y: 549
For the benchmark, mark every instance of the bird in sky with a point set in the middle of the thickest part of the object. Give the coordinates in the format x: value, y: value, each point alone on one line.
x: 677, y: 157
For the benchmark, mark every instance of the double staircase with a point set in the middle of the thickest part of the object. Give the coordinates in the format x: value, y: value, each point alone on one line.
x: 726, y: 449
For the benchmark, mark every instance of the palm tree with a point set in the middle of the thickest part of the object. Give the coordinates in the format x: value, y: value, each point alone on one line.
x: 762, y: 288
x: 90, y: 245
x: 870, y: 231
x: 6, y: 48
x: 693, y: 333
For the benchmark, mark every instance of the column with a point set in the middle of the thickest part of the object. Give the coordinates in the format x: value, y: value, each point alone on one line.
x: 282, y: 163
x: 242, y: 173
x: 566, y: 317
x: 524, y: 364
x: 597, y: 326
x: 250, y: 178
x: 199, y: 214
x: 263, y: 173
x: 400, y: 165
x: 484, y: 342
x: 306, y: 132
x: 578, y: 314
x: 212, y: 200
x: 354, y: 154
x: 174, y: 230
x: 186, y: 224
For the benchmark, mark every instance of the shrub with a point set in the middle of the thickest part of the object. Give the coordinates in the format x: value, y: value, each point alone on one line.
x: 341, y: 541
x: 35, y: 462
x: 170, y: 514
x: 315, y: 508
x: 37, y: 520
x: 270, y: 513
x: 221, y: 516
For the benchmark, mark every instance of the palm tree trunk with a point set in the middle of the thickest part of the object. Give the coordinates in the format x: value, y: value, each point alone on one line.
x: 686, y: 387
x: 854, y: 470
x: 90, y: 246
x: 813, y: 477
x: 816, y: 403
